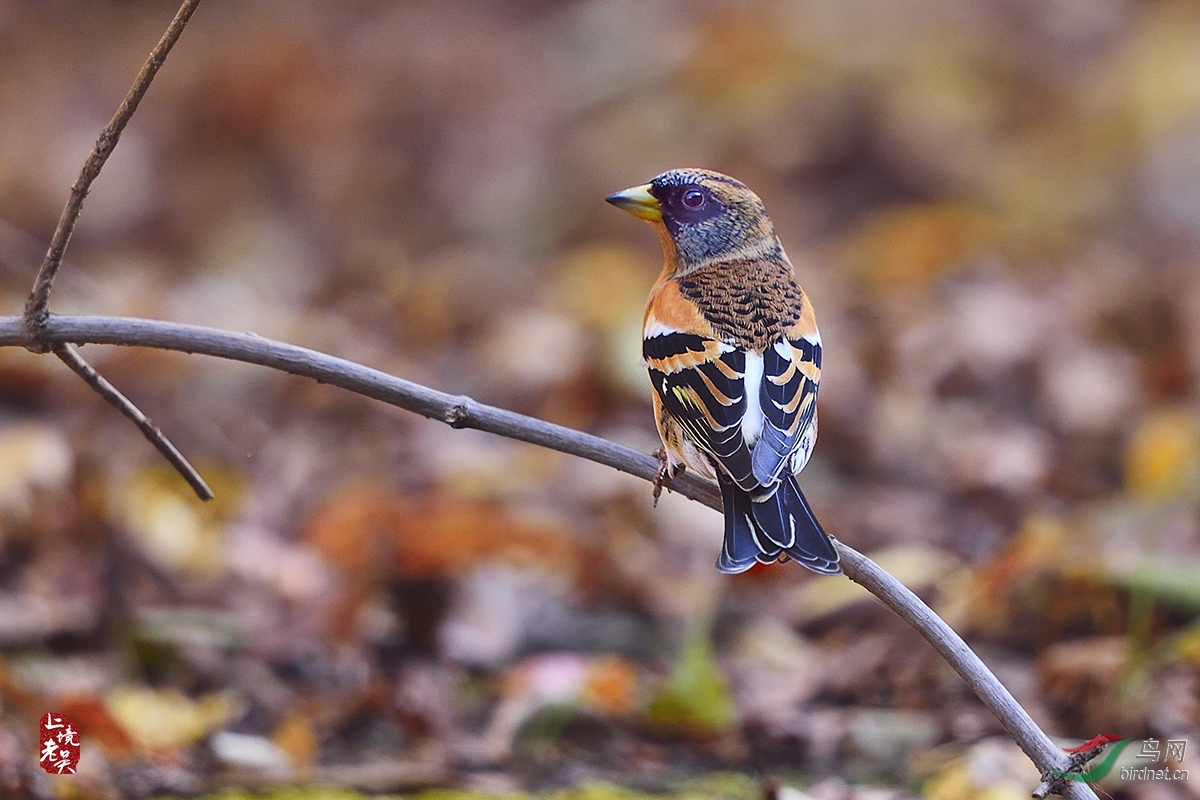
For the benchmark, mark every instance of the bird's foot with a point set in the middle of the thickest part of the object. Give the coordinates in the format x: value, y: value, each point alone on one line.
x: 665, y: 472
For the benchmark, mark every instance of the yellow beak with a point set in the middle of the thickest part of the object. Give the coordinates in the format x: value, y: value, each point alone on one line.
x: 639, y: 202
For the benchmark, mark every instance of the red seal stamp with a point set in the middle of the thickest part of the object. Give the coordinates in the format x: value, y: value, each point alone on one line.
x: 59, y: 743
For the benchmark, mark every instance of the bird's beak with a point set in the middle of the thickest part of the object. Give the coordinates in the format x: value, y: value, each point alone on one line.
x: 639, y: 202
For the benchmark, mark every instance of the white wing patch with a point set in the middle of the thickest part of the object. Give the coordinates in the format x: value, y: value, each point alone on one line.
x: 655, y: 328
x: 752, y: 420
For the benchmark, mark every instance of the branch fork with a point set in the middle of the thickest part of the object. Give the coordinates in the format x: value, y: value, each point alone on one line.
x: 37, y: 307
x: 1057, y: 784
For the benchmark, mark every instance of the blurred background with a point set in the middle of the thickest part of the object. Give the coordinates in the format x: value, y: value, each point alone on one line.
x: 994, y: 206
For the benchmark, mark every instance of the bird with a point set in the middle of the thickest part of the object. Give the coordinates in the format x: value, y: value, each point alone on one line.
x: 731, y: 343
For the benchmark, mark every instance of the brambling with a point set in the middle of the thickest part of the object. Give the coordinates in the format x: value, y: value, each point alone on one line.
x: 734, y: 355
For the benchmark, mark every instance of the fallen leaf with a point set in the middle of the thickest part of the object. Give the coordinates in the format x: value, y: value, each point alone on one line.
x: 912, y: 246
x: 1162, y: 459
x: 166, y: 719
x: 695, y: 698
x: 369, y: 531
x: 168, y: 523
x: 32, y: 457
x: 97, y: 725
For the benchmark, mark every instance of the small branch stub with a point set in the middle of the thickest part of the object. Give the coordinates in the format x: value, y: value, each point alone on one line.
x: 457, y: 416
x: 1057, y: 784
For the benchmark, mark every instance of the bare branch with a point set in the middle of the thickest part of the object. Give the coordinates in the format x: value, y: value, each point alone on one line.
x: 69, y: 356
x: 463, y: 412
x: 37, y: 307
x: 987, y: 687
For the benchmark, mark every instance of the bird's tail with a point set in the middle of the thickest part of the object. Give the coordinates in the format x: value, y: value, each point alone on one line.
x: 760, y: 530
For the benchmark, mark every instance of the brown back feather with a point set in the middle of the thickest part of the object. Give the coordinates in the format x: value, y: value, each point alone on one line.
x: 749, y: 301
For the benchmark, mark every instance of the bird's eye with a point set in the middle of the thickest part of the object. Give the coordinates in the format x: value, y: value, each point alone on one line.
x: 693, y: 199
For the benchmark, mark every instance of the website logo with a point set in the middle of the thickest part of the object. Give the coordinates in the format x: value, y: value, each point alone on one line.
x: 1155, y: 751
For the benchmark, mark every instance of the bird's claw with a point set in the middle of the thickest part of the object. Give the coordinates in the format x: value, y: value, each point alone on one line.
x: 665, y: 472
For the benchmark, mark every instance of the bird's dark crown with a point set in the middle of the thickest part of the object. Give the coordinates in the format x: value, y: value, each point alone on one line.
x: 712, y: 217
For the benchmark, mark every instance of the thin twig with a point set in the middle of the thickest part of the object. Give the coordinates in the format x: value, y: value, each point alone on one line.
x: 463, y: 412
x: 37, y: 307
x: 69, y: 356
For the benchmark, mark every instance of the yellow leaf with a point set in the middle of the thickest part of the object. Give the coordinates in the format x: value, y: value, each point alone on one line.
x: 954, y: 783
x: 915, y: 245
x: 1162, y: 461
x: 32, y: 457
x: 916, y: 566
x: 171, y: 526
x: 295, y: 737
x: 168, y: 719
x: 601, y: 284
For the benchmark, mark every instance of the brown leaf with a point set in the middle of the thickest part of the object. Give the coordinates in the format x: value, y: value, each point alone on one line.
x: 295, y: 736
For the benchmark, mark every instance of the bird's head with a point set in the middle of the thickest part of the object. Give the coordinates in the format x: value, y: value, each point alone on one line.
x: 707, y: 217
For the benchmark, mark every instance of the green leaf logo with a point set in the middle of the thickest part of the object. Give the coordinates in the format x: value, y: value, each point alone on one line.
x: 1100, y: 770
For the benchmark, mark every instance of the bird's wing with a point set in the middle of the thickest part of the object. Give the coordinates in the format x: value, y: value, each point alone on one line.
x: 700, y: 381
x: 788, y: 396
